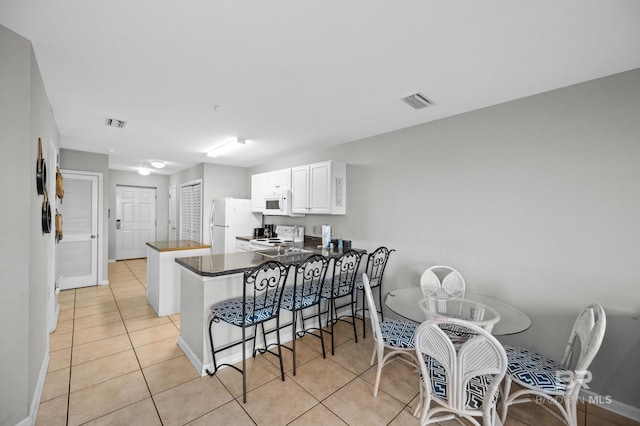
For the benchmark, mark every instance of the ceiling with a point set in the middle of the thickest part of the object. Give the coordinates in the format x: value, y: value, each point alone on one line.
x: 291, y: 75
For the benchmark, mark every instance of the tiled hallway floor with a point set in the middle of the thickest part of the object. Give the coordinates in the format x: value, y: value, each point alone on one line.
x: 115, y: 362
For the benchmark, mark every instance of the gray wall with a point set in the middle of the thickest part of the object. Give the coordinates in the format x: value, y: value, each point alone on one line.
x: 159, y: 182
x: 25, y: 251
x: 218, y: 181
x: 99, y: 163
x: 535, y: 201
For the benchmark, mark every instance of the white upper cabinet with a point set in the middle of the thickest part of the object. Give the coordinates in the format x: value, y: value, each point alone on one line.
x: 279, y: 180
x: 266, y: 183
x: 258, y: 189
x: 300, y: 189
x: 319, y: 188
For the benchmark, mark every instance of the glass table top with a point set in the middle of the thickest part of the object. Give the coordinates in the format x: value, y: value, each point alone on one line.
x: 406, y: 302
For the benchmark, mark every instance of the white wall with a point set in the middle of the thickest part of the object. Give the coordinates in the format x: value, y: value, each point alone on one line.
x: 218, y: 181
x: 25, y: 251
x: 535, y: 201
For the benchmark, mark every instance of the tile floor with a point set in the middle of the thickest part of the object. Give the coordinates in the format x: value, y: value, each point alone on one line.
x: 115, y: 362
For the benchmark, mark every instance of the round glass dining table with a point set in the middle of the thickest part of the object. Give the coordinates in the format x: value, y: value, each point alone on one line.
x: 405, y: 302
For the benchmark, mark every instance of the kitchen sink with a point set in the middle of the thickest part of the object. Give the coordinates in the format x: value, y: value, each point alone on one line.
x: 287, y: 254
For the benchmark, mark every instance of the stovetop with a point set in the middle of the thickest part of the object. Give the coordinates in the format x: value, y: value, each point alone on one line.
x: 270, y: 242
x: 287, y: 235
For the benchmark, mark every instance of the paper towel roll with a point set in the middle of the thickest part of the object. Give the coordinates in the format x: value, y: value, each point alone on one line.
x: 326, y: 235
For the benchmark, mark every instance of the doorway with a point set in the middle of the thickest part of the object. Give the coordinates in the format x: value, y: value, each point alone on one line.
x: 135, y: 221
x: 77, y: 252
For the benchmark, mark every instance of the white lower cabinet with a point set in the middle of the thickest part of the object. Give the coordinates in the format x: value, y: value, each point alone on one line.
x: 319, y: 188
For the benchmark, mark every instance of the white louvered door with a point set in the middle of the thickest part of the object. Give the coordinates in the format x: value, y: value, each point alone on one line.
x: 77, y: 256
x: 135, y: 221
x: 191, y: 211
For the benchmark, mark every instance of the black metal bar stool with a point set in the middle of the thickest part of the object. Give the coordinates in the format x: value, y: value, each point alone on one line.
x: 260, y: 302
x: 339, y: 286
x: 305, y: 294
x: 376, y: 264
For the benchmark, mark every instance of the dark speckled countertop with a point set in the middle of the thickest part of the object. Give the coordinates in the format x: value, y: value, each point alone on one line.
x: 176, y: 245
x: 233, y: 263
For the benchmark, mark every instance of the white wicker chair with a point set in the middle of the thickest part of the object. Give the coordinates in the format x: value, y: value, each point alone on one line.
x: 442, y: 282
x: 556, y: 382
x: 462, y: 378
x: 469, y: 310
x: 394, y: 335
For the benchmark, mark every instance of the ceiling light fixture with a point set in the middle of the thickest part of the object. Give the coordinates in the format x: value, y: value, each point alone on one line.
x: 226, y: 147
x: 144, y: 170
x: 158, y: 164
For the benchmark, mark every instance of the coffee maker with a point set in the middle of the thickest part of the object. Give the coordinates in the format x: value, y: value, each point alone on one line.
x: 269, y: 231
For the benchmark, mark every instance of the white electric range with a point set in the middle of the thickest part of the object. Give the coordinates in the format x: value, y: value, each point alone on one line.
x: 287, y: 236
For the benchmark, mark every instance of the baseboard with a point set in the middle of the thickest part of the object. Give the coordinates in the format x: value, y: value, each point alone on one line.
x: 191, y: 356
x: 233, y: 358
x: 111, y: 261
x: 37, y: 393
x: 609, y: 404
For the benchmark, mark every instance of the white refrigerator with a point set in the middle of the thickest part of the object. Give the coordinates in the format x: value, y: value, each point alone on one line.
x: 230, y: 218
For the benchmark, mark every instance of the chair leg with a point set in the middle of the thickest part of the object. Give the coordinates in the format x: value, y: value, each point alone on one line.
x: 213, y: 352
x: 244, y: 365
x: 353, y: 317
x: 324, y: 355
x: 506, y: 388
x: 378, y: 372
x: 280, y: 347
x: 294, y: 340
x: 380, y: 301
x: 364, y: 309
x: 330, y: 319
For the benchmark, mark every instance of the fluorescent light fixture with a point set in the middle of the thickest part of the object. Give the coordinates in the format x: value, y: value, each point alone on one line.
x: 226, y: 147
x: 158, y: 164
x: 144, y: 170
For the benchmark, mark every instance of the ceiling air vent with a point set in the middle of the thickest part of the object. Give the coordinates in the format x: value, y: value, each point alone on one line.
x: 112, y: 122
x: 417, y: 101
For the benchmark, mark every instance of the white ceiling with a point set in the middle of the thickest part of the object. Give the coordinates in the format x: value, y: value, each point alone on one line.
x: 294, y: 75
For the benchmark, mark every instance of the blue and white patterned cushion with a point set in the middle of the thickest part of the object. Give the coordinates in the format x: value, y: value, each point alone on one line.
x: 476, y: 386
x: 398, y: 333
x: 373, y: 282
x: 231, y: 311
x: 536, y: 371
x: 297, y: 302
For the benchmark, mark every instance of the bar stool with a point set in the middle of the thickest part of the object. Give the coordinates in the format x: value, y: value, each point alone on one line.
x: 260, y: 302
x: 376, y: 264
x: 303, y: 294
x: 340, y: 286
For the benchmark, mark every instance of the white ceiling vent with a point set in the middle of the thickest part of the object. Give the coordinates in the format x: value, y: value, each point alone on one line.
x: 418, y: 101
x: 112, y: 122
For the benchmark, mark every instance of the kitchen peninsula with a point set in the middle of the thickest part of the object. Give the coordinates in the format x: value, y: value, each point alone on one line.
x: 206, y: 280
x: 163, y: 275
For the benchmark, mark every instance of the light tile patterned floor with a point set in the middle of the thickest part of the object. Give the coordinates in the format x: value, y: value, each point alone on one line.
x: 114, y: 362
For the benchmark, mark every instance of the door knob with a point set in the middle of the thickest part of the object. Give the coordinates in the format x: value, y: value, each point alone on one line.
x: 92, y: 236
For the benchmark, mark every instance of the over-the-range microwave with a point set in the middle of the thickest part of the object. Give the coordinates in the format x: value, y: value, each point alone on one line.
x: 278, y: 202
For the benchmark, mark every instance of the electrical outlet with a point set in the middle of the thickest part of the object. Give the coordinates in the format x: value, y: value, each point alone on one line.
x: 315, y: 230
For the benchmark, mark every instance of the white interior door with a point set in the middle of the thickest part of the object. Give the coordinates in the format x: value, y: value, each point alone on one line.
x: 173, y: 205
x: 135, y: 221
x: 77, y: 254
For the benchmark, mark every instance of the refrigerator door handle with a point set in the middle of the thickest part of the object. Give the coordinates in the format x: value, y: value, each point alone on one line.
x: 211, y: 224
